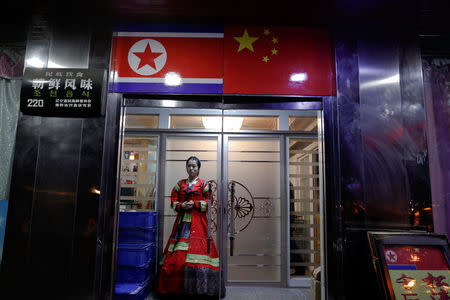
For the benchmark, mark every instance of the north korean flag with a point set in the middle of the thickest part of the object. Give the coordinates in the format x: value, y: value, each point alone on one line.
x: 277, y: 61
x: 158, y: 58
x: 415, y: 258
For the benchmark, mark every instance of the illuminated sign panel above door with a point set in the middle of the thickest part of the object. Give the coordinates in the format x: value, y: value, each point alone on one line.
x: 204, y: 59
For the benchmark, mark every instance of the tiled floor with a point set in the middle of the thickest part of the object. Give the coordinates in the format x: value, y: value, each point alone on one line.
x: 262, y: 293
x: 266, y: 293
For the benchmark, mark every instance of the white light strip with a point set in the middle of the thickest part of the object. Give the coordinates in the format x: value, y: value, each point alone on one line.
x: 163, y: 80
x: 172, y: 34
x: 378, y: 82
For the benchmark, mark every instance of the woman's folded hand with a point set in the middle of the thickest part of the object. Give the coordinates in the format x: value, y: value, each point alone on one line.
x: 187, y: 205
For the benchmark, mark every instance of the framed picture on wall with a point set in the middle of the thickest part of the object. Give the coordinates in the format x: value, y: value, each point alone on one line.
x: 411, y: 266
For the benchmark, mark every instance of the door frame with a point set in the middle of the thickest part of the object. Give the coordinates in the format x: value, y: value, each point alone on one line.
x: 147, y: 106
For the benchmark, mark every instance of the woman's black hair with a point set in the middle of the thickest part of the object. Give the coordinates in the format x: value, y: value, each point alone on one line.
x: 197, y: 161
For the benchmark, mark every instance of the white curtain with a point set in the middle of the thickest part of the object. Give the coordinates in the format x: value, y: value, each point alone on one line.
x: 11, y: 65
x: 9, y: 112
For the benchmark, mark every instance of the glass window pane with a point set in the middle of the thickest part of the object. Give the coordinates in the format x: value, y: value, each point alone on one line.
x: 303, y: 124
x: 232, y: 123
x: 138, y: 173
x: 251, y: 123
x: 141, y: 121
x: 195, y: 122
x: 304, y: 206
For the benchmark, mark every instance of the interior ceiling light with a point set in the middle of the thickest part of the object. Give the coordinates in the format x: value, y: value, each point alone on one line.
x: 212, y: 123
x: 229, y: 123
x: 233, y: 123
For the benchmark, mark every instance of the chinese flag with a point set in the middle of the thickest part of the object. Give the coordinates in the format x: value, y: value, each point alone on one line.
x: 277, y: 61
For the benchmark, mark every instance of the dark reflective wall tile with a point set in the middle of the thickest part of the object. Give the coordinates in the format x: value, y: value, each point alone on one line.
x: 70, y: 44
x: 360, y: 278
x: 54, y: 207
x: 86, y: 219
x: 15, y: 252
x: 436, y: 74
x: 101, y: 45
x: 385, y: 175
x: 380, y: 116
x: 351, y: 170
x: 414, y: 135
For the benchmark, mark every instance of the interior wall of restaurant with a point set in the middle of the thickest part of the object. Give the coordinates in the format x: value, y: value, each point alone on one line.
x: 51, y: 232
x: 377, y: 160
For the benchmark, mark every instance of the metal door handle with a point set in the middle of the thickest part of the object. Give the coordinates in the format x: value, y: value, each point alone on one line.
x: 232, y: 219
x: 208, y: 207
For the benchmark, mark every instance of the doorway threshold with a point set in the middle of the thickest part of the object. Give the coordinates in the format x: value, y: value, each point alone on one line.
x: 258, y: 293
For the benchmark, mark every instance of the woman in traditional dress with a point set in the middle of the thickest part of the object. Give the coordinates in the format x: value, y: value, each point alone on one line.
x: 187, y: 267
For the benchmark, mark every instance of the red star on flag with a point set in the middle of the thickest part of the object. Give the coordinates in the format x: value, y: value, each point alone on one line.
x: 147, y: 57
x: 391, y: 256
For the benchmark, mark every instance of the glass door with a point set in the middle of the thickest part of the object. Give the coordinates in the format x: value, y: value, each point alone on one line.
x: 250, y: 244
x: 253, y: 202
x: 190, y: 237
x: 177, y: 149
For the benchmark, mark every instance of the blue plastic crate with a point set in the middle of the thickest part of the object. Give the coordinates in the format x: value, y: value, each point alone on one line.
x: 131, y: 291
x: 130, y: 235
x: 132, y: 274
x: 135, y: 254
x: 137, y: 219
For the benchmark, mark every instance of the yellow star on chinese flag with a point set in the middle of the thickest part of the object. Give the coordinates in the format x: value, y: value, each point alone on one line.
x: 274, y: 40
x: 266, y: 31
x: 274, y: 51
x: 265, y: 59
x: 245, y: 41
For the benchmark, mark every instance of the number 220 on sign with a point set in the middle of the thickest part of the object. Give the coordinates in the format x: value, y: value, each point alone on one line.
x: 35, y: 103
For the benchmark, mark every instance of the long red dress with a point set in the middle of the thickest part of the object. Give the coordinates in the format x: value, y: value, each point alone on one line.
x: 186, y: 267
